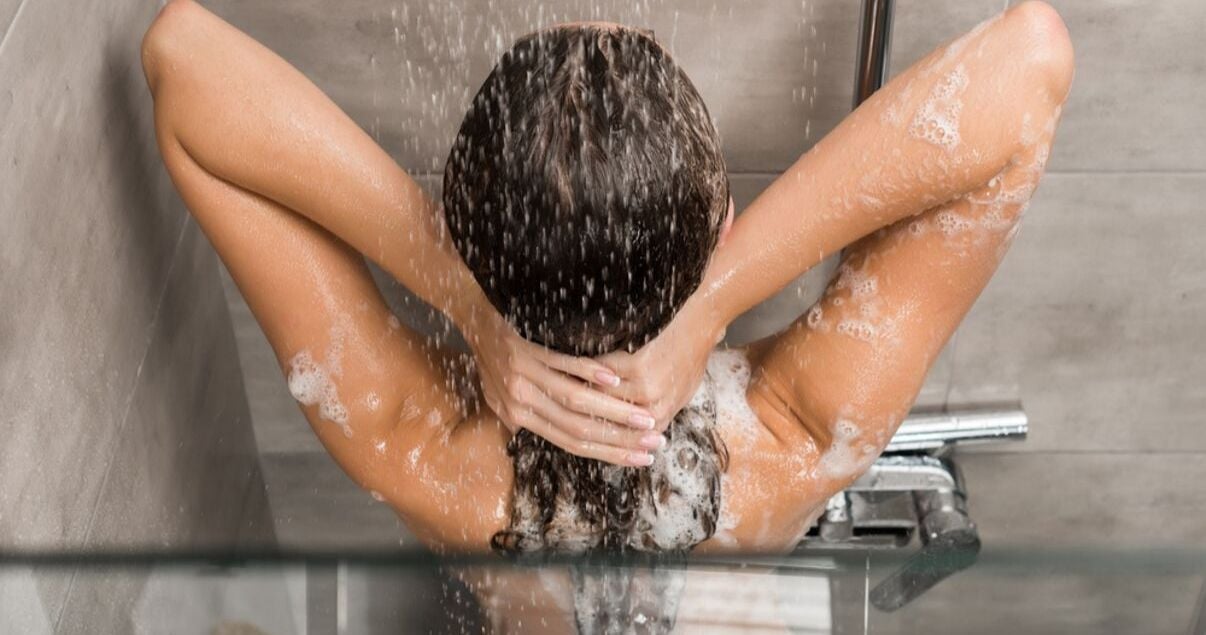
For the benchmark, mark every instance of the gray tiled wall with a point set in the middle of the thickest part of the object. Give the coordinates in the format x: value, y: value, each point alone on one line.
x: 124, y: 419
x: 1095, y: 319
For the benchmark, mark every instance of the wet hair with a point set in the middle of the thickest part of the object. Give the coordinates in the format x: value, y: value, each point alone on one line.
x: 586, y: 191
x: 568, y: 504
x: 586, y: 188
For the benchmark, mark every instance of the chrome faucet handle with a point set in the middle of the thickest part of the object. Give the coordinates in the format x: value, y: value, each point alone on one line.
x: 950, y: 543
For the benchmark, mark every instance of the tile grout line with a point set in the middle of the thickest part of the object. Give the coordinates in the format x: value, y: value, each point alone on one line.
x: 11, y: 24
x: 150, y: 340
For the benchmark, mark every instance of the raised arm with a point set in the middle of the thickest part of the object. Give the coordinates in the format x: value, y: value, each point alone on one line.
x: 849, y: 370
x: 942, y: 128
x: 939, y: 130
x: 257, y: 123
x: 382, y: 402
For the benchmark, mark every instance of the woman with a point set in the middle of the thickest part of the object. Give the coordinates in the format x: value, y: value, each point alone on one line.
x: 923, y: 185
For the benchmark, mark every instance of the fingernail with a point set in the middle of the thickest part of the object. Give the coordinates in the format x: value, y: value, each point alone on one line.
x: 640, y: 459
x: 653, y: 441
x: 641, y: 420
x: 605, y: 377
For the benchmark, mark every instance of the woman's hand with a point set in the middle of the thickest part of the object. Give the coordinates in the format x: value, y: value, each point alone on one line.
x: 556, y: 396
x: 663, y: 375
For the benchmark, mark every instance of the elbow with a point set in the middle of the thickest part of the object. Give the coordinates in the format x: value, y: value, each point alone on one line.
x: 160, y: 44
x: 1046, y: 47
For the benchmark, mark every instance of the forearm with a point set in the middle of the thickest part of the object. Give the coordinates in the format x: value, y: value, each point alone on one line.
x: 890, y: 159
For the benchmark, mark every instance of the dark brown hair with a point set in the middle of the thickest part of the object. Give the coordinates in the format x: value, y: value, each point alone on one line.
x: 586, y: 191
x: 586, y: 188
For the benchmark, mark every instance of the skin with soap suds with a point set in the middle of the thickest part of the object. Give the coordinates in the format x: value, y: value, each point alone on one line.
x: 924, y: 186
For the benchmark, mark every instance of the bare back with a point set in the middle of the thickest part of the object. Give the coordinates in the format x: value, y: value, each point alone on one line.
x: 770, y: 488
x: 307, y: 195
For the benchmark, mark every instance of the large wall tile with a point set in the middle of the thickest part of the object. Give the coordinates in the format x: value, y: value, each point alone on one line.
x: 318, y: 507
x: 188, y: 458
x: 406, y: 73
x: 775, y: 75
x: 1105, y: 353
x: 185, y: 466
x: 1140, y: 83
x: 920, y: 26
x: 90, y: 227
x: 1087, y: 500
x: 8, y: 10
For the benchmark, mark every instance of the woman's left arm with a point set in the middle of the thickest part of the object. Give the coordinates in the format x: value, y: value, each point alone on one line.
x: 903, y: 151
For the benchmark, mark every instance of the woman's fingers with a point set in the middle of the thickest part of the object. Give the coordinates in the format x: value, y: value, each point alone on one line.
x: 583, y: 368
x: 588, y: 400
x: 659, y: 392
x: 636, y: 383
x: 541, y: 426
x: 598, y: 431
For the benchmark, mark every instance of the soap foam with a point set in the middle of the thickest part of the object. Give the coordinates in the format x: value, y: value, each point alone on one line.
x: 861, y: 285
x: 310, y: 384
x: 814, y: 317
x: 937, y: 121
x: 950, y: 223
x: 858, y: 329
x: 678, y: 522
x: 865, y: 287
x: 842, y: 459
x: 730, y: 373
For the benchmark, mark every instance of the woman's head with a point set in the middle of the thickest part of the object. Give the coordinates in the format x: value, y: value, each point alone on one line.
x: 586, y: 189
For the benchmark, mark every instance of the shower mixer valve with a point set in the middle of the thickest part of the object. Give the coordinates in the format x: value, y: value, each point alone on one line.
x: 914, y: 489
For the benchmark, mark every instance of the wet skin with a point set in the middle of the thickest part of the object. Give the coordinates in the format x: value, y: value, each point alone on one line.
x: 924, y: 185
